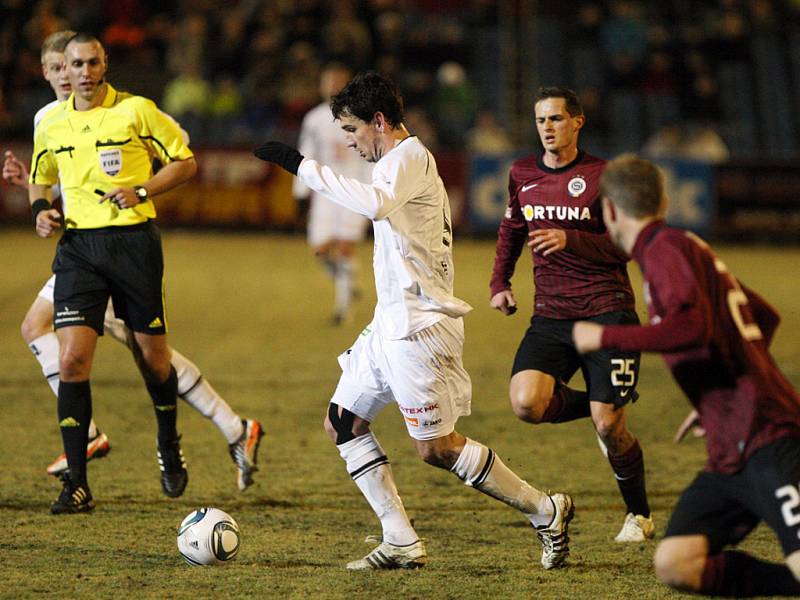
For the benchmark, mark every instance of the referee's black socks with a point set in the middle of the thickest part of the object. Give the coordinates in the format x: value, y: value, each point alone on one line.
x: 165, y: 401
x: 74, y: 415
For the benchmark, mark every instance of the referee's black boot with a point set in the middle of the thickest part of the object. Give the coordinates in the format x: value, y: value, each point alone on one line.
x: 74, y: 498
x: 174, y: 476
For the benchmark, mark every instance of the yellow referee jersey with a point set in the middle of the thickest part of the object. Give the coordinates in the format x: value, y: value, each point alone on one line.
x: 92, y: 152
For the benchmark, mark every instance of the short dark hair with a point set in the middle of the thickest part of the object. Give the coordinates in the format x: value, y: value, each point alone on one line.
x: 367, y: 93
x: 83, y: 37
x: 571, y: 100
x: 634, y: 185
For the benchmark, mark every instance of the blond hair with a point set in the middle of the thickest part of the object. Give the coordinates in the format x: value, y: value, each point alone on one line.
x: 56, y: 42
x: 634, y: 185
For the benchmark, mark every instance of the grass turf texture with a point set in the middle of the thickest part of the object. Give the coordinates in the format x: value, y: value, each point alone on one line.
x: 253, y: 311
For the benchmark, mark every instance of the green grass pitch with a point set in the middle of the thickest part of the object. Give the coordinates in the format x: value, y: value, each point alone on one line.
x: 253, y: 312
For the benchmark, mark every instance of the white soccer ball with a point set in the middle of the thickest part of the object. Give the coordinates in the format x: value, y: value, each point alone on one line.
x: 208, y: 536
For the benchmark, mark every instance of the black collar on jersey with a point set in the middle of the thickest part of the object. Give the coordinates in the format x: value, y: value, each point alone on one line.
x: 546, y: 169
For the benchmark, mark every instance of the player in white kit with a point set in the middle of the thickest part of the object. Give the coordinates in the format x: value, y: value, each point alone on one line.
x: 242, y: 435
x: 333, y: 231
x: 411, y: 352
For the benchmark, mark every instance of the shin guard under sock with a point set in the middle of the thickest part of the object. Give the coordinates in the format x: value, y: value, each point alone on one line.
x: 165, y: 400
x: 629, y: 473
x: 74, y: 414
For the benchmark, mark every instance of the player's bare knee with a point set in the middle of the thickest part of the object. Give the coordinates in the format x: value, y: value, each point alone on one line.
x: 74, y: 364
x: 343, y: 426
x: 608, y: 427
x: 28, y: 330
x: 154, y: 366
x: 33, y: 327
x: 675, y: 568
x: 330, y: 430
x: 526, y: 406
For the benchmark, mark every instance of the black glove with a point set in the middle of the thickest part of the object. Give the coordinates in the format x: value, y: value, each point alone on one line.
x: 280, y: 154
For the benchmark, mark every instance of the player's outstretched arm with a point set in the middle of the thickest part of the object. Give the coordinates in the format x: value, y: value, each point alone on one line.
x: 504, y: 302
x: 14, y: 170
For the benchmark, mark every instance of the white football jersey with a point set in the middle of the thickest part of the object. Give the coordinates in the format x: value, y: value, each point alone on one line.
x: 410, y: 214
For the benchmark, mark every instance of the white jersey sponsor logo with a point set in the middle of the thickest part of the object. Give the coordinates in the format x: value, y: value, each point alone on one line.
x: 560, y: 213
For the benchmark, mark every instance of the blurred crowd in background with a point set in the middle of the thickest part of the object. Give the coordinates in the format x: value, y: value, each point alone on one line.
x: 718, y: 78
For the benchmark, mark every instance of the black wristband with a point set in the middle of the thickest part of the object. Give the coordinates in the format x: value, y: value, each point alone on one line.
x: 38, y: 206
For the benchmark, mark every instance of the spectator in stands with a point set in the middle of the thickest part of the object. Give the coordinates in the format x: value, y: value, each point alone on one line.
x: 698, y: 141
x: 488, y: 136
x: 455, y: 103
x: 186, y: 98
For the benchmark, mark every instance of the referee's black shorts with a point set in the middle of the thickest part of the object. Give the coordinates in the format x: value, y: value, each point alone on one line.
x: 124, y: 263
x: 725, y: 508
x: 611, y: 375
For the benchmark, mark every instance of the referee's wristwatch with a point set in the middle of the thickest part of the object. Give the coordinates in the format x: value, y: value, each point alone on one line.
x: 141, y: 193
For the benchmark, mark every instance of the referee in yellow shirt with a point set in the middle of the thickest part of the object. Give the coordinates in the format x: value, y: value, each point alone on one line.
x: 100, y: 145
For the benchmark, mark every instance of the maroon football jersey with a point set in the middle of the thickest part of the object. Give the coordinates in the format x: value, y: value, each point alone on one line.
x: 714, y: 334
x: 589, y: 276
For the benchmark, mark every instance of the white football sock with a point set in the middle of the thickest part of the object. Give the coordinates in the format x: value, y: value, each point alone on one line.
x: 196, y: 391
x: 479, y: 467
x: 329, y: 265
x: 115, y: 327
x: 343, y: 284
x: 369, y: 468
x: 45, y: 349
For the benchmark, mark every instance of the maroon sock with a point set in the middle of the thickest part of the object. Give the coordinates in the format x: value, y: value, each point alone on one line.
x: 566, y: 405
x: 629, y: 473
x: 738, y: 575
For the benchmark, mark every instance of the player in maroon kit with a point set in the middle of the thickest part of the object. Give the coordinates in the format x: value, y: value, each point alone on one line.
x: 579, y: 274
x: 714, y: 334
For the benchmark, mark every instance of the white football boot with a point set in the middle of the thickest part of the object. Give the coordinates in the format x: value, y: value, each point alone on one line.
x: 554, y: 537
x: 636, y: 528
x: 389, y: 556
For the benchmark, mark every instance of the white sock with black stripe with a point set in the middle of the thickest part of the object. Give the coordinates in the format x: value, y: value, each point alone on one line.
x: 368, y: 466
x: 45, y: 349
x: 199, y: 394
x: 479, y: 467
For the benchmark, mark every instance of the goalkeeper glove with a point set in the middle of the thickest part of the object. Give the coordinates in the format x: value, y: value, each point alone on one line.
x: 280, y: 154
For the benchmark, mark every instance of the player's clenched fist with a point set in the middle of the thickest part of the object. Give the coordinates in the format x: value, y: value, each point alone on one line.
x: 280, y: 154
x: 47, y: 221
x: 504, y: 302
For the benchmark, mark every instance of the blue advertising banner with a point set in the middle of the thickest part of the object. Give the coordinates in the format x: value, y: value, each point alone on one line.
x: 488, y: 192
x: 690, y: 190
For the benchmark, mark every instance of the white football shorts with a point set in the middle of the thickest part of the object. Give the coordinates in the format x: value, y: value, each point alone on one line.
x: 422, y: 373
x: 47, y: 289
x: 328, y: 221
